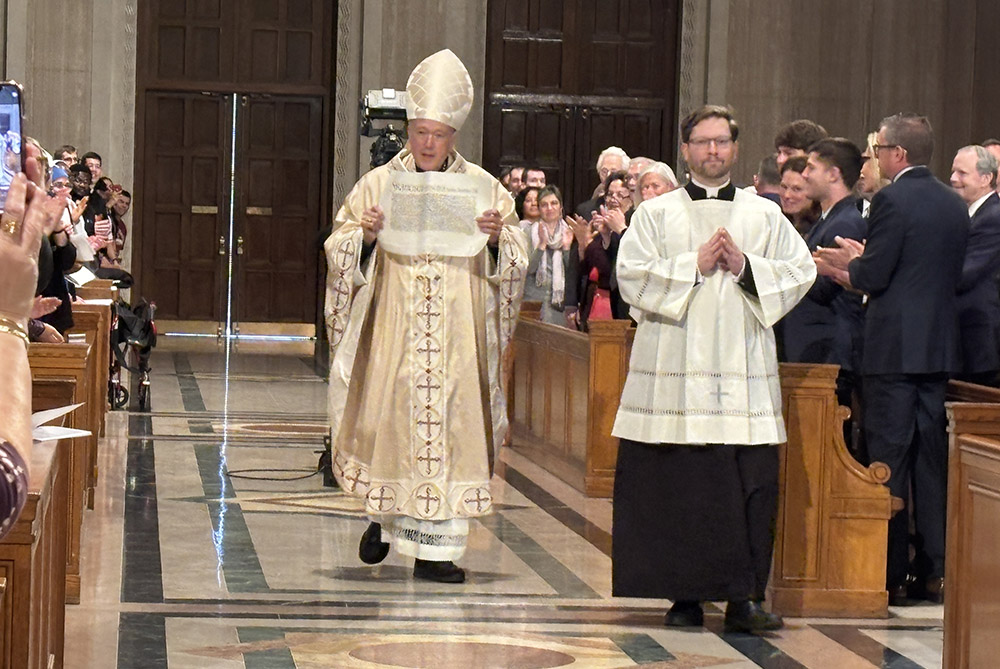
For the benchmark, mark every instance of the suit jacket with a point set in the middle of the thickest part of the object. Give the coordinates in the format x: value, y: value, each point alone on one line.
x: 827, y: 325
x: 917, y: 232
x: 978, y: 299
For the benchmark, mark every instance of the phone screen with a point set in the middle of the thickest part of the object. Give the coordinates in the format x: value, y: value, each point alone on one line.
x: 10, y: 137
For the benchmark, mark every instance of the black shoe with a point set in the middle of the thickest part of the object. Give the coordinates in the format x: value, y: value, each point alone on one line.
x: 436, y: 570
x: 372, y: 549
x: 685, y: 614
x: 900, y: 595
x: 748, y: 616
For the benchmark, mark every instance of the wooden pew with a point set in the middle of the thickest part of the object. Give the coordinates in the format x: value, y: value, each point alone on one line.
x: 94, y: 322
x: 972, y: 560
x: 833, y: 518
x: 98, y: 289
x: 830, y: 553
x: 70, y: 361
x: 33, y: 555
x: 563, y: 398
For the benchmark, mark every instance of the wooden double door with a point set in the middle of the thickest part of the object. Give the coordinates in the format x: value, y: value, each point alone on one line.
x: 568, y: 78
x: 232, y: 153
x: 232, y: 198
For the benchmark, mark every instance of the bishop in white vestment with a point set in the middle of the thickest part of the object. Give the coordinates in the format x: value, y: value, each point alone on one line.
x: 417, y: 404
x: 708, y: 270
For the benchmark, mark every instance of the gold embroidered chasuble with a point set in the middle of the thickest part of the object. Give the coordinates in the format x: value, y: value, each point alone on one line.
x: 704, y: 367
x: 417, y: 400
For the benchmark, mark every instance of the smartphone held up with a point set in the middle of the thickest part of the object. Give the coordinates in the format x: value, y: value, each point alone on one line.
x: 11, y: 132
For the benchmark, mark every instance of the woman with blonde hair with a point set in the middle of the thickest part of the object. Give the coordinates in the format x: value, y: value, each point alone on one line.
x: 872, y: 180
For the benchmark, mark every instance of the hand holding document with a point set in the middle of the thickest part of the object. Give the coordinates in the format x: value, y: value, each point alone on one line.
x: 434, y: 212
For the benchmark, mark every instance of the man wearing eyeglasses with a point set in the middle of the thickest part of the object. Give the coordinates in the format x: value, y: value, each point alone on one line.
x: 910, y: 267
x: 708, y: 269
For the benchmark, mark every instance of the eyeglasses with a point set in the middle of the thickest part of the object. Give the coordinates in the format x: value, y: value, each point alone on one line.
x: 876, y: 147
x: 720, y: 142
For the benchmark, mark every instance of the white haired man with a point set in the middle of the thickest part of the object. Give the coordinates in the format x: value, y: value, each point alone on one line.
x: 611, y: 159
x: 413, y: 432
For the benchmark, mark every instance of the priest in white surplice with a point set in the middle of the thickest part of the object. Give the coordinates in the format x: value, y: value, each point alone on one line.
x: 417, y: 406
x: 708, y: 269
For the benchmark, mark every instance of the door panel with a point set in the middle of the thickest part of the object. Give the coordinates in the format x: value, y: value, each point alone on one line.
x: 568, y: 78
x: 186, y: 148
x: 279, y: 214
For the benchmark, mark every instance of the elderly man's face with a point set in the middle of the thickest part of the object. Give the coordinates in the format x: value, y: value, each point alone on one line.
x: 611, y: 163
x: 966, y: 179
x: 653, y: 185
x: 431, y: 142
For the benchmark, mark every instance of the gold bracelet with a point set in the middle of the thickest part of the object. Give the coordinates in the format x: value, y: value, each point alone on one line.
x: 10, y: 327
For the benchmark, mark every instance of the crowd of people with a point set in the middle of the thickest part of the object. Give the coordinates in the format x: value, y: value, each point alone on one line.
x: 91, y: 233
x: 906, y: 298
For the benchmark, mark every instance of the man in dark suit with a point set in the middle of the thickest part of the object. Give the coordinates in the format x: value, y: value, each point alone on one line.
x: 910, y: 267
x: 826, y: 326
x: 974, y: 176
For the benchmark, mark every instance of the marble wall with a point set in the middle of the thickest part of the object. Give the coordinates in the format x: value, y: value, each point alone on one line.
x: 76, y: 61
x: 844, y: 63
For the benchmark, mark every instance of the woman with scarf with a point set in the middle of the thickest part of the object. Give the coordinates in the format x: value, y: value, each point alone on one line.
x: 550, y: 239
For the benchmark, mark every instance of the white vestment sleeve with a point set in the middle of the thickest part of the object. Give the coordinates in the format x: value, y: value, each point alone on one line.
x: 647, y: 280
x: 782, y: 276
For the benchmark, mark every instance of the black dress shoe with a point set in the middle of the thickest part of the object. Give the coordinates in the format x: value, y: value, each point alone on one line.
x: 934, y: 590
x: 372, y: 549
x: 685, y: 614
x: 437, y: 570
x: 748, y: 616
x: 900, y: 595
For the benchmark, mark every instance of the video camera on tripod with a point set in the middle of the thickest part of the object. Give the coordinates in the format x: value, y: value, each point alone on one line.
x: 383, y: 115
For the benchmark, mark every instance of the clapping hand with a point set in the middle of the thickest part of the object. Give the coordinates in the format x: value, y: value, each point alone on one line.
x: 614, y: 219
x: 833, y: 262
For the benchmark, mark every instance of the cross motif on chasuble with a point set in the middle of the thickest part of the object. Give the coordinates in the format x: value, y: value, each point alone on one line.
x: 428, y: 385
x: 356, y: 478
x: 381, y: 499
x: 427, y: 459
x: 428, y: 422
x: 345, y: 254
x: 427, y: 498
x: 428, y: 349
x: 428, y: 314
x: 479, y: 500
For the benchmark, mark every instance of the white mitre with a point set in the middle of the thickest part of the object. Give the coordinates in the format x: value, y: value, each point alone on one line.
x: 440, y: 89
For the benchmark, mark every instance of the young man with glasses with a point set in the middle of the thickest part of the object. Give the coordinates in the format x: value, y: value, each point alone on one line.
x: 708, y: 270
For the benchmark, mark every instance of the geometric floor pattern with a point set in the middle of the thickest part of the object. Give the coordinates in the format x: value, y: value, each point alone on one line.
x: 214, y: 544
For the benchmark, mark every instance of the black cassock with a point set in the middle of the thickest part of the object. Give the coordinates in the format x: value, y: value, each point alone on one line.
x: 693, y: 522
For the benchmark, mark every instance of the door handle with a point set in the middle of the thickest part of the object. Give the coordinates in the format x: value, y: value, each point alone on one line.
x: 260, y: 211
x: 239, y: 246
x: 585, y: 113
x: 222, y: 245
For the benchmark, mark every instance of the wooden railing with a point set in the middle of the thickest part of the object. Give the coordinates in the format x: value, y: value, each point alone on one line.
x: 71, y: 362
x: 972, y: 560
x: 33, y: 555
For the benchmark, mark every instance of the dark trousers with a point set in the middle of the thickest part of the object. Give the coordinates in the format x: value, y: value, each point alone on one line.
x: 906, y: 428
x: 693, y: 522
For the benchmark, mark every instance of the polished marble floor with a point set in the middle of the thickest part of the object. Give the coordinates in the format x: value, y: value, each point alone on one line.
x: 213, y: 544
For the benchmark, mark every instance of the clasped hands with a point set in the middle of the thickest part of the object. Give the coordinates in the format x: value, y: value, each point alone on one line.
x: 721, y: 252
x: 373, y: 220
x: 833, y: 262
